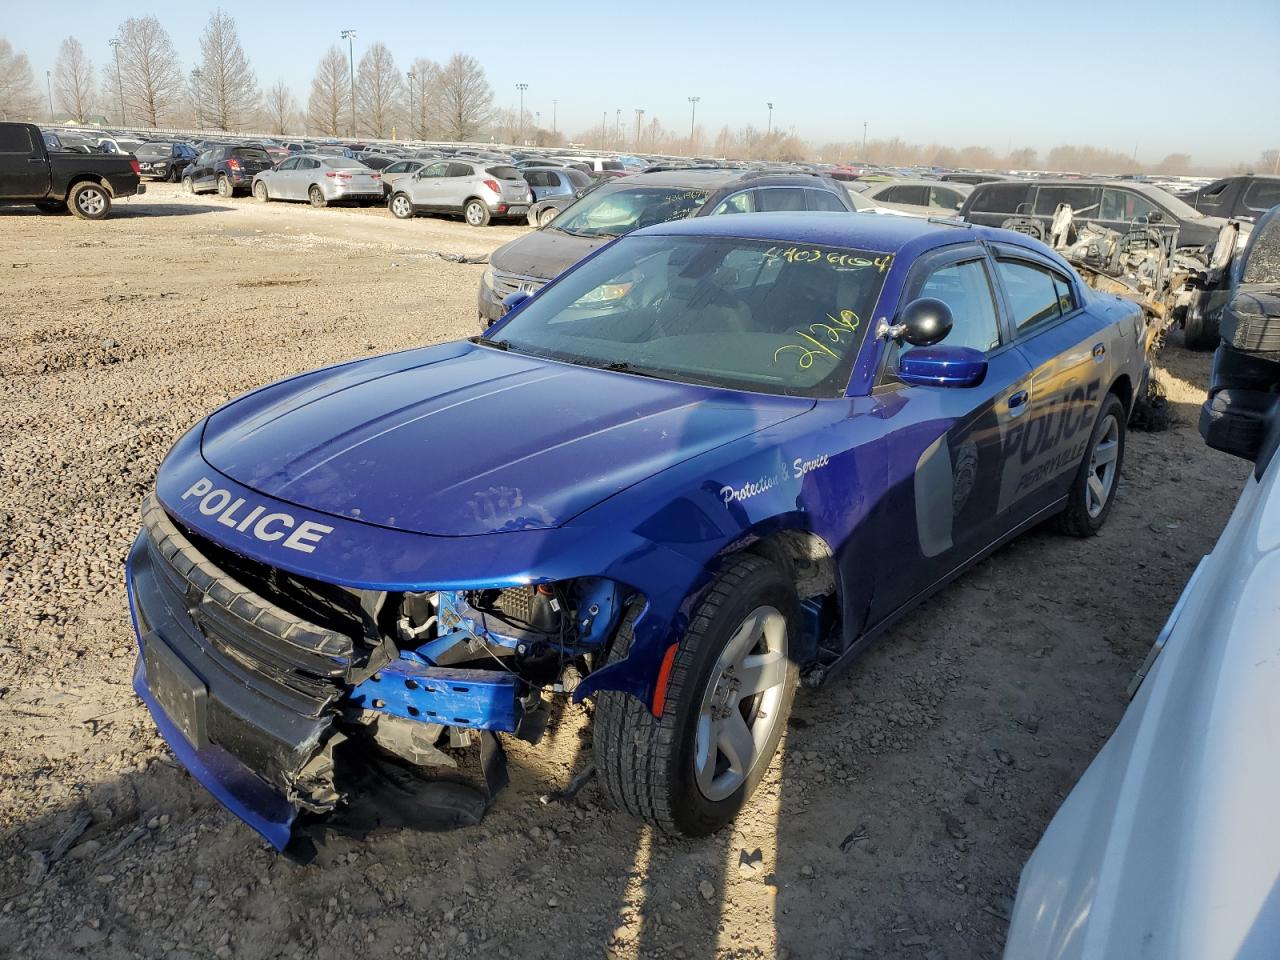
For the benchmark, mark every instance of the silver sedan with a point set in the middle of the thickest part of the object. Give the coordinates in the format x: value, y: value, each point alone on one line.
x: 318, y: 180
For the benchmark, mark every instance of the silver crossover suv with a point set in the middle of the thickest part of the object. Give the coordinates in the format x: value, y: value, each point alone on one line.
x: 479, y: 190
x: 320, y: 180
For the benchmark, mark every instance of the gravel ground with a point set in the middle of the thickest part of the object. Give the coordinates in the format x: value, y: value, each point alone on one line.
x: 909, y: 792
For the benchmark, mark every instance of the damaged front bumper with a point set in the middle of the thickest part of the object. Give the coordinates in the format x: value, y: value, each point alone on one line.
x: 250, y: 698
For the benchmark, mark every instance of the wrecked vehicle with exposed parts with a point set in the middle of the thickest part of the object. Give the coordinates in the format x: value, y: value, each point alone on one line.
x: 660, y: 483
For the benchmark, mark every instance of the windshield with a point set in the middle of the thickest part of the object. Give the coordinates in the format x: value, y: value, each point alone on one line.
x: 745, y: 314
x: 343, y: 163
x: 611, y: 213
x: 1179, y: 208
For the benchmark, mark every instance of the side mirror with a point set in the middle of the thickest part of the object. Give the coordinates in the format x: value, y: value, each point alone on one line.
x: 1155, y: 216
x: 513, y: 301
x: 921, y: 323
x: 941, y: 366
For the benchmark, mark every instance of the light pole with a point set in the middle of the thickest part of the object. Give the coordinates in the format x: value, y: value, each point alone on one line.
x: 350, y: 37
x: 522, y: 87
x: 413, y: 107
x: 639, y: 117
x: 197, y: 93
x: 617, y: 126
x: 115, y: 45
x: 604, y: 128
x: 693, y: 115
x: 768, y: 130
x: 864, y: 140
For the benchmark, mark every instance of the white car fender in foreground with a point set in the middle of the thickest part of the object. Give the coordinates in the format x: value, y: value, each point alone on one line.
x: 1169, y: 846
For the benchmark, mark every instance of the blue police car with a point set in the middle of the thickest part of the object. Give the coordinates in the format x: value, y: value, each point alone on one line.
x: 713, y: 458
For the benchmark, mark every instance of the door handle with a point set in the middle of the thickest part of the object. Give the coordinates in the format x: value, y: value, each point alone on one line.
x: 1018, y: 399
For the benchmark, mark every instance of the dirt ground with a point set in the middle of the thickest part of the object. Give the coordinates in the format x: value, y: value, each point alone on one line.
x: 910, y: 790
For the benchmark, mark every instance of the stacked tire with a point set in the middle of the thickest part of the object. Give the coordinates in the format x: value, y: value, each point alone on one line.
x: 1242, y: 413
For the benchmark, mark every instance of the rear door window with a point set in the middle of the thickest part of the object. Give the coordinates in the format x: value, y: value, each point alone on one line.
x: 824, y: 200
x: 779, y: 199
x: 1125, y: 205
x: 1002, y: 198
x: 1082, y: 200
x: 1031, y: 293
x: 460, y: 170
x: 916, y: 196
x: 1262, y: 194
x: 15, y: 138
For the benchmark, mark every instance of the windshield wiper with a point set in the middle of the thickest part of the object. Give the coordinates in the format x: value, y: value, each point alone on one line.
x: 617, y: 366
x: 486, y: 342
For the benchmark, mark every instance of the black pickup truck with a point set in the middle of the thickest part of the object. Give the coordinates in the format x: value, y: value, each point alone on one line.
x: 57, y: 180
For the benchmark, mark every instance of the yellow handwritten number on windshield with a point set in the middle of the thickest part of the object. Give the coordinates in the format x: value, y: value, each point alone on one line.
x: 815, y: 339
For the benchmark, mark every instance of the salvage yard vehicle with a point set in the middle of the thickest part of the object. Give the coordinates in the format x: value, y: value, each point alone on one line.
x: 394, y: 171
x: 616, y: 208
x: 164, y: 160
x: 402, y: 552
x: 1127, y: 238
x: 227, y: 168
x: 1169, y: 845
x: 919, y: 198
x: 478, y: 190
x: 319, y: 180
x: 56, y: 181
x: 1240, y: 198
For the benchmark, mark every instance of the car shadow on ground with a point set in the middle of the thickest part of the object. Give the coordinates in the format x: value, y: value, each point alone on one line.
x: 121, y: 210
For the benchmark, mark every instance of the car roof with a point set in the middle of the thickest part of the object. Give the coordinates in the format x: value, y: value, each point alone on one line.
x: 708, y: 179
x: 862, y: 231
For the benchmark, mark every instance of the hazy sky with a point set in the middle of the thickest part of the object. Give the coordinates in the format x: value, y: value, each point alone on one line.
x: 1150, y: 75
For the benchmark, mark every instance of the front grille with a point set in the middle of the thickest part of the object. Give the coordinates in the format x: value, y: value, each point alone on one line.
x: 508, y: 283
x: 248, y: 633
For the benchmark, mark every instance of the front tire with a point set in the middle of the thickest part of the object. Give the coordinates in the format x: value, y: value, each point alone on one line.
x: 690, y: 770
x: 546, y: 215
x: 401, y: 206
x: 260, y: 192
x: 1094, y: 489
x: 189, y: 185
x: 316, y: 196
x: 90, y: 201
x: 476, y: 213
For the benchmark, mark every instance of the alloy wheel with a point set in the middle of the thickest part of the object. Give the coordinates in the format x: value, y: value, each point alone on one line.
x: 741, y: 706
x: 1102, y: 467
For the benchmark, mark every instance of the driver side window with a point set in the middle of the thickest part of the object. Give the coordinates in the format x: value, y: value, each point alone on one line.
x: 966, y: 289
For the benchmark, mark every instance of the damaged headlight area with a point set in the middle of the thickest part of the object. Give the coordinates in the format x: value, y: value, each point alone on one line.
x: 300, y: 703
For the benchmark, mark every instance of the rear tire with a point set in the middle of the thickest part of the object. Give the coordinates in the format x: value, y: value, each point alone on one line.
x: 89, y: 201
x: 667, y: 770
x: 1200, y: 332
x: 546, y: 215
x: 173, y: 175
x: 225, y: 188
x: 260, y: 192
x: 1094, y: 489
x: 401, y: 206
x: 476, y: 213
x: 316, y: 196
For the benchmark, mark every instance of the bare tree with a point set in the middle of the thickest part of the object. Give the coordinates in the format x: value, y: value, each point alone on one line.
x: 18, y: 97
x: 224, y: 89
x: 466, y: 99
x: 330, y: 93
x: 378, y: 88
x: 149, y: 72
x: 73, y: 80
x: 423, y: 98
x: 280, y: 107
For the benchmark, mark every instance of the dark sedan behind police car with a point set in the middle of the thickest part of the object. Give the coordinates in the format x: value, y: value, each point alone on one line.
x: 662, y: 479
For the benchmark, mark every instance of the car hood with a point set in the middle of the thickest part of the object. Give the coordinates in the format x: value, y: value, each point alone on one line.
x: 460, y: 440
x: 544, y: 253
